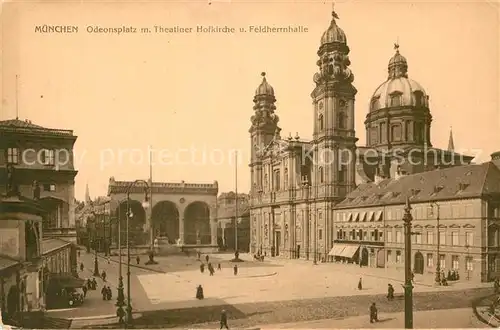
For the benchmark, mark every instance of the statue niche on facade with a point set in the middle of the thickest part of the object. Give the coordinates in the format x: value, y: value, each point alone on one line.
x: 36, y: 190
x: 11, y: 188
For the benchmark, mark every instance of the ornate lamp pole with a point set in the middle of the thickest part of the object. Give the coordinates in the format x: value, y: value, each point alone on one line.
x: 408, y: 286
x: 438, y: 243
x: 94, y: 242
x: 145, y: 204
x: 120, y: 299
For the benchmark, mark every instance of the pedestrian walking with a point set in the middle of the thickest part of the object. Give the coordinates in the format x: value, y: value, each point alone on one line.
x: 360, y: 284
x: 199, y: 292
x: 211, y: 269
x: 390, y: 292
x: 104, y: 293
x: 223, y: 319
x: 103, y: 275
x: 202, y: 268
x: 109, y: 293
x: 373, y: 313
x: 235, y: 269
x: 81, y: 267
x: 84, y: 290
x: 138, y: 259
x: 218, y: 266
x: 207, y: 258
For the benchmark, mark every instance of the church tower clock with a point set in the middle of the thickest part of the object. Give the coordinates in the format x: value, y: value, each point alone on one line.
x: 333, y: 102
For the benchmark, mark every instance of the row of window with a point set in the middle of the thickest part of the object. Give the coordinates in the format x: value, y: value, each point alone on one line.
x: 47, y: 156
x: 341, y: 121
x: 455, y: 260
x: 417, y: 237
x: 413, y: 132
x: 396, y: 100
x: 421, y: 213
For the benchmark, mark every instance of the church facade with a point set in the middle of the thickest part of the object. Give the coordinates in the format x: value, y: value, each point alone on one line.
x: 301, y: 189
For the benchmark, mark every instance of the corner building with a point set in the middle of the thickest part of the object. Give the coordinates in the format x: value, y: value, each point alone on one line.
x: 297, y: 184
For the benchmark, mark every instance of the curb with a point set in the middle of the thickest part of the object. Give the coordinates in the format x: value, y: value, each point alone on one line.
x: 477, y: 314
x: 97, y: 317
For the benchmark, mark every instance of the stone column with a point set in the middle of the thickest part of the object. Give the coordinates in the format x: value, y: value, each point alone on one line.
x: 181, y: 230
x: 70, y: 221
x: 213, y: 231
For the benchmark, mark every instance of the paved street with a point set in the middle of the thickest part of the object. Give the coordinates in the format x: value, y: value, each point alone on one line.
x: 442, y: 319
x: 267, y: 292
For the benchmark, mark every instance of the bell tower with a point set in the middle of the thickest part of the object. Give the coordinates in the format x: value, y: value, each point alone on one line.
x: 333, y: 103
x: 263, y: 129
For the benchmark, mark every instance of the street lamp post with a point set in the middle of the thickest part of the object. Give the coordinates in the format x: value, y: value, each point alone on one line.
x: 438, y: 243
x: 129, y: 214
x: 467, y: 260
x: 96, y: 262
x: 120, y: 299
x: 408, y: 286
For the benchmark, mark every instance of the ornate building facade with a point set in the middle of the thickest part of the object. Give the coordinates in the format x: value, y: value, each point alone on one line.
x: 182, y: 213
x: 297, y: 184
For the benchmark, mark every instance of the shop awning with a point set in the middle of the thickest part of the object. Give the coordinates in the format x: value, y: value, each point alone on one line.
x: 66, y: 281
x: 355, y: 217
x: 350, y: 251
x: 349, y: 218
x: 337, y: 249
x: 378, y: 216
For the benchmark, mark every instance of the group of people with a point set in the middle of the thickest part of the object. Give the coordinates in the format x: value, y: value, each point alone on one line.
x: 106, y: 293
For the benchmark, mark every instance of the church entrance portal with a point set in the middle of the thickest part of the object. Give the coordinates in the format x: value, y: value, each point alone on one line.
x: 419, y: 263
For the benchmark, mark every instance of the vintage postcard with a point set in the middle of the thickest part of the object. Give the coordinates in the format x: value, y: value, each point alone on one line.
x: 250, y: 164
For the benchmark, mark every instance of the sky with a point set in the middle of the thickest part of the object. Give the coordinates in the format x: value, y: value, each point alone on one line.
x: 190, y: 95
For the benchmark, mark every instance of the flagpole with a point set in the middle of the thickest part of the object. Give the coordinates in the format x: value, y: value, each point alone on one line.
x: 151, y: 227
x: 236, y: 203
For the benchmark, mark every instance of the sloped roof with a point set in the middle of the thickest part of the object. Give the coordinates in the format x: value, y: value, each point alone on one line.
x: 16, y: 125
x: 468, y: 181
x: 7, y: 262
x: 230, y: 211
x: 52, y: 244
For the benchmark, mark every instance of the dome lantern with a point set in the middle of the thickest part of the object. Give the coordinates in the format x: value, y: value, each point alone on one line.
x: 264, y: 87
x: 334, y: 34
x: 398, y: 66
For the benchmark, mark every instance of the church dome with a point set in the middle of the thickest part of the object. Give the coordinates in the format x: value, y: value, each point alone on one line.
x: 398, y: 90
x: 334, y: 33
x: 264, y: 87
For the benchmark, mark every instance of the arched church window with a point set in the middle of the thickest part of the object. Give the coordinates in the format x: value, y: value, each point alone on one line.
x: 330, y: 68
x: 321, y: 175
x: 341, y: 119
x: 396, y: 132
x: 373, y: 135
x: 419, y: 99
x: 321, y: 122
x: 396, y: 100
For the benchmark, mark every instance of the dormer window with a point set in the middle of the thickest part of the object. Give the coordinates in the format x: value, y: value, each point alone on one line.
x: 419, y: 99
x: 437, y: 189
x: 374, y: 104
x: 462, y: 186
x: 321, y: 122
x: 396, y: 99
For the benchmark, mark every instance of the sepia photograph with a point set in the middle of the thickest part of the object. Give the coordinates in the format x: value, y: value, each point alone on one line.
x: 233, y: 164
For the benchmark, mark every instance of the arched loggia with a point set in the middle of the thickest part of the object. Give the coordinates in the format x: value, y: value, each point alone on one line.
x: 136, y: 222
x: 197, y: 224
x: 165, y: 216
